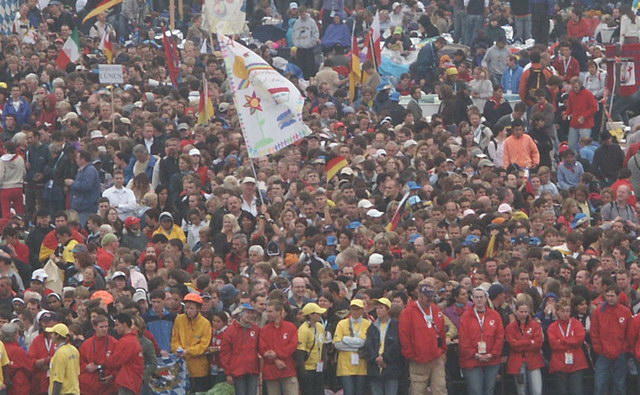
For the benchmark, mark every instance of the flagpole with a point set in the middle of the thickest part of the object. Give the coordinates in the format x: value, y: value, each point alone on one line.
x: 113, y: 119
x: 255, y: 174
x: 172, y: 14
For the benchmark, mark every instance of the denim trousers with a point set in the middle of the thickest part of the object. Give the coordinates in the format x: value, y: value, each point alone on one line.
x: 380, y: 386
x: 569, y: 383
x: 246, y: 385
x: 481, y: 380
x: 574, y: 137
x: 472, y: 26
x: 611, y: 375
x: 352, y: 385
x: 522, y: 28
x: 531, y: 379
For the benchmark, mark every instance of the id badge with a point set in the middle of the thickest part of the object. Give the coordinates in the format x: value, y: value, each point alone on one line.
x: 320, y: 367
x: 355, y: 358
x: 482, y: 347
x: 568, y: 358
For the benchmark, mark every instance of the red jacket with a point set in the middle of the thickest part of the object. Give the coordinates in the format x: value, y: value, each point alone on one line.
x: 567, y: 70
x: 20, y: 369
x: 284, y: 341
x: 419, y: 341
x: 581, y: 104
x: 610, y: 329
x: 561, y: 344
x: 127, y: 360
x: 104, y: 259
x: 471, y: 333
x: 525, y: 345
x: 634, y: 345
x: 96, y: 350
x: 38, y: 350
x: 239, y: 350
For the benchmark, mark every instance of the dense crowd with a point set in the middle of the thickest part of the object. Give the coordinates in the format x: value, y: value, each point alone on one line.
x: 469, y: 223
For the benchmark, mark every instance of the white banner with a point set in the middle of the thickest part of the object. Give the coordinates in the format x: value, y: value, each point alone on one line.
x: 110, y: 74
x: 627, y: 74
x: 223, y: 16
x: 269, y: 105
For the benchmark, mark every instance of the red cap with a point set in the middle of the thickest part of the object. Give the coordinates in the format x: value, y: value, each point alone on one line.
x: 130, y: 221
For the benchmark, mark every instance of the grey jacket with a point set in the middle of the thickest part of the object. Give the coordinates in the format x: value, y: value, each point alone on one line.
x: 305, y: 33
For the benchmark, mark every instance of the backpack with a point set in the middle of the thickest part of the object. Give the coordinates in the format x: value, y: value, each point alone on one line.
x: 536, y: 80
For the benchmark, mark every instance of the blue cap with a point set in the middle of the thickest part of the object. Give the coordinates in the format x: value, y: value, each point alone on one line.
x: 412, y: 185
x: 332, y: 240
x: 354, y: 225
x: 247, y: 306
x: 579, y: 219
x: 534, y: 241
x: 415, y: 199
x: 394, y: 96
x: 383, y: 85
x: 414, y: 237
x: 473, y: 239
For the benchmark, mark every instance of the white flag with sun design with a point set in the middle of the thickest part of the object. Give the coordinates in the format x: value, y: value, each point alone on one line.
x: 269, y: 105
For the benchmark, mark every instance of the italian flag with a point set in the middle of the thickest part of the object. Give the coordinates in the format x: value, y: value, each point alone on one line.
x: 70, y: 51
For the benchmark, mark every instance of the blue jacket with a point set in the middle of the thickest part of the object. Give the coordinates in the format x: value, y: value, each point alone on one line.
x: 567, y: 177
x: 161, y: 327
x: 511, y: 79
x: 22, y: 114
x: 426, y: 61
x: 85, y: 191
x: 588, y: 151
x: 336, y: 34
x: 128, y: 172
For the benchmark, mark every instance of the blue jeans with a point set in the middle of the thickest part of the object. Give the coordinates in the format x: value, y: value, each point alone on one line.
x: 380, y: 386
x: 246, y: 385
x: 570, y: 383
x: 459, y: 28
x: 481, y: 380
x: 472, y: 26
x: 532, y: 379
x: 352, y: 385
x: 574, y: 137
x: 522, y: 28
x: 608, y: 370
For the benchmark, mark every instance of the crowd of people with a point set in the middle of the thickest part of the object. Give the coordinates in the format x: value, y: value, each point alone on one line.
x: 489, y: 247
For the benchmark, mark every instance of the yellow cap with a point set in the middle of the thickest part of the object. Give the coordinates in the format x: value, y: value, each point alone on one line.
x: 60, y: 329
x: 312, y: 308
x: 383, y: 301
x: 452, y: 71
x: 357, y: 303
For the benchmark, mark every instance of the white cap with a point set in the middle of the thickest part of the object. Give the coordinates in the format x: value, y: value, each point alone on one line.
x: 96, y: 134
x: 365, y: 203
x: 504, y: 208
x: 379, y: 153
x: 376, y: 259
x: 248, y: 180
x: 139, y: 295
x: 468, y: 212
x: 118, y: 274
x: 194, y: 151
x: 374, y: 213
x: 39, y: 275
x: 69, y: 116
x: 409, y: 143
x: 347, y: 170
x: 293, y: 5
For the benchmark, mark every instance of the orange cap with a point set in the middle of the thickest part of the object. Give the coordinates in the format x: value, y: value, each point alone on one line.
x: 104, y: 296
x: 193, y: 297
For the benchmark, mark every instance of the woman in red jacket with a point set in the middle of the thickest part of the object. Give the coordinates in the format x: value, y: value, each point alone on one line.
x: 481, y: 335
x: 566, y: 336
x: 525, y: 338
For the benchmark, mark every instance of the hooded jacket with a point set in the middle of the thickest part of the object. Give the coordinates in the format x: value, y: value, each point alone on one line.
x: 239, y: 350
x: 610, y: 329
x: 12, y: 171
x: 419, y: 341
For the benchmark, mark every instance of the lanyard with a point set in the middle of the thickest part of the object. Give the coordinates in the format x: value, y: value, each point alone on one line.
x: 566, y: 64
x: 480, y: 321
x: 425, y: 316
x: 565, y: 334
x: 48, y: 344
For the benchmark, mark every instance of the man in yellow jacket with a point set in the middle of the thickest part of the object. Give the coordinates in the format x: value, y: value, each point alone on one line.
x: 190, y: 339
x: 348, y: 339
x: 169, y: 228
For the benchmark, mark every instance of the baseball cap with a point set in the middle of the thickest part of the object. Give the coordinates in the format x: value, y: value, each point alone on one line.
x: 293, y: 5
x: 312, y: 308
x: 139, y: 295
x: 485, y: 163
x: 248, y: 180
x: 165, y: 215
x: 183, y: 126
x: 130, y: 221
x: 80, y: 248
x: 376, y: 259
x: 108, y: 239
x: 365, y: 203
x: 118, y: 274
x: 374, y: 213
x: 39, y: 275
x: 357, y: 303
x: 104, y: 296
x: 96, y: 134
x: 384, y: 302
x: 194, y: 151
x: 427, y: 289
x: 504, y: 208
x: 60, y: 329
x: 332, y: 240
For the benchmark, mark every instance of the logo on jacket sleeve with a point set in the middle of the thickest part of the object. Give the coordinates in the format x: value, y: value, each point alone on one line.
x: 621, y: 320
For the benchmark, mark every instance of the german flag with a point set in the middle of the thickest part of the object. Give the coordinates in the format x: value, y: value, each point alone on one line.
x: 334, y: 166
x: 397, y: 216
x: 100, y: 8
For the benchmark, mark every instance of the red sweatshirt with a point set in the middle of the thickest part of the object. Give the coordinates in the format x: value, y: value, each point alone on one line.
x: 567, y: 68
x: 610, y: 329
x: 284, y: 341
x: 239, y: 350
x: 471, y: 333
x: 128, y: 362
x: 419, y: 340
x: 20, y: 369
x: 581, y: 104
x: 40, y: 349
x: 96, y: 350
x: 525, y: 345
x: 566, y: 339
